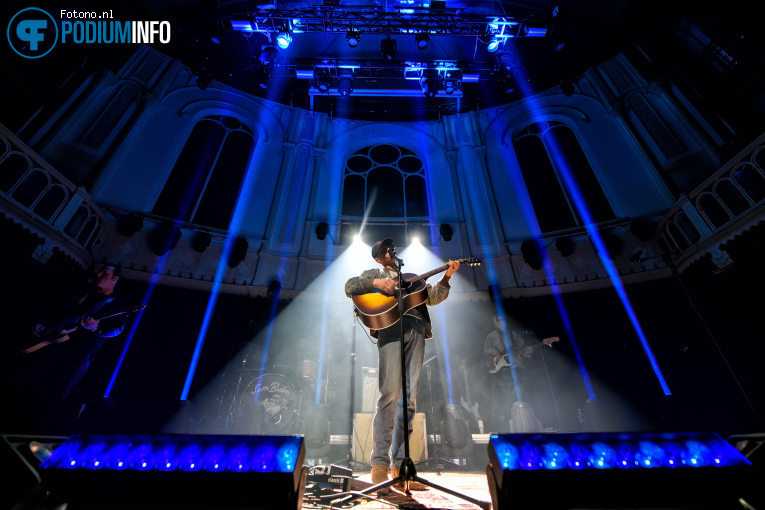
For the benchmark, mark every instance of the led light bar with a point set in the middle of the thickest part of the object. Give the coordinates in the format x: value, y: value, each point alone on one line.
x: 177, y: 471
x: 651, y: 470
x: 581, y: 451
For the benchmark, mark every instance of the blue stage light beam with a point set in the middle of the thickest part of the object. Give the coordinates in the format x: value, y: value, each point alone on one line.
x: 237, y: 219
x: 134, y: 325
x: 581, y: 207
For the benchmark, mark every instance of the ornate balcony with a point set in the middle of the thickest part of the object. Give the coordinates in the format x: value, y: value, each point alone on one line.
x: 727, y: 204
x: 36, y: 196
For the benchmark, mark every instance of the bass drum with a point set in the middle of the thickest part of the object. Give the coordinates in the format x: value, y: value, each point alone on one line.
x: 267, y: 405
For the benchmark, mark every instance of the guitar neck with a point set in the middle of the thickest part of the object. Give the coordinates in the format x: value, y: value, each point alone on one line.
x: 427, y: 275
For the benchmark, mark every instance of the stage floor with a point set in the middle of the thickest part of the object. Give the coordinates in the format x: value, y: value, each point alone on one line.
x: 470, y: 483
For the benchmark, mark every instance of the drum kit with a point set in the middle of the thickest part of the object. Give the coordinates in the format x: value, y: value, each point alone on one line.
x: 257, y: 398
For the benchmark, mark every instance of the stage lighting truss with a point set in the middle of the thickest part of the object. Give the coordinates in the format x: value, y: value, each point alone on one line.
x: 446, y: 21
x: 499, y: 31
x: 383, y: 79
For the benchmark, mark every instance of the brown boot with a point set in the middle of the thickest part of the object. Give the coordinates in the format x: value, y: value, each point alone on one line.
x: 413, y: 486
x: 380, y: 475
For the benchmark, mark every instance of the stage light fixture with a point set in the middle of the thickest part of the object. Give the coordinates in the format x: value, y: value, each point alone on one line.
x: 493, y: 44
x: 322, y: 229
x: 422, y: 39
x: 274, y: 289
x: 429, y: 87
x: 451, y: 80
x: 388, y: 48
x: 164, y: 238
x: 130, y: 224
x: 353, y: 37
x: 506, y: 62
x: 201, y: 241
x: 238, y: 251
x: 321, y: 79
x: 345, y: 86
x: 446, y: 232
x: 565, y: 246
x: 204, y: 79
x: 284, y: 38
x: 532, y: 254
x: 268, y: 56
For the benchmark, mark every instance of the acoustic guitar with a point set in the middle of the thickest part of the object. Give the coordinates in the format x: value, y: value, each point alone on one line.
x: 378, y: 310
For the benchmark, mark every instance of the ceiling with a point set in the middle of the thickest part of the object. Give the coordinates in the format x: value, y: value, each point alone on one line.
x: 581, y: 35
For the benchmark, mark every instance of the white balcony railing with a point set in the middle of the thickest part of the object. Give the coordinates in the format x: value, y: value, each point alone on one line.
x: 36, y: 195
x: 725, y: 205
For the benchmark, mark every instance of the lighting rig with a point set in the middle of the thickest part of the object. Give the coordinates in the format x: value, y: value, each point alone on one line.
x: 387, y: 76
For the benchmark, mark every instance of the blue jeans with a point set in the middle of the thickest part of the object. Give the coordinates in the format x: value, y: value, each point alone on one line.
x: 388, y: 425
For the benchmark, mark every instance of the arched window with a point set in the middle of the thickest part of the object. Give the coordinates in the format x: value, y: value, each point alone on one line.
x: 205, y: 182
x: 548, y: 153
x: 385, y: 183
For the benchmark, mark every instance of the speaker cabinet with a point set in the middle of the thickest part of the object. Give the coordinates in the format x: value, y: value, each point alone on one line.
x: 362, y: 438
x: 370, y: 392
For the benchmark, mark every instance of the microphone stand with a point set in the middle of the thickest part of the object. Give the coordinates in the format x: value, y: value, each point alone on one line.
x: 407, y: 471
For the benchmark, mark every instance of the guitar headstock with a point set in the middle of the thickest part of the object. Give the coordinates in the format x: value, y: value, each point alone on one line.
x: 471, y: 261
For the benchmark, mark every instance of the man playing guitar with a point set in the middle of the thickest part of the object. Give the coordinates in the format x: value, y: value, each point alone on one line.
x: 506, y: 363
x: 48, y: 371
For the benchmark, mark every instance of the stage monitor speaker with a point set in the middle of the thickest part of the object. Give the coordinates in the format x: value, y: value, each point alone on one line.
x: 659, y: 470
x: 362, y: 438
x: 177, y: 471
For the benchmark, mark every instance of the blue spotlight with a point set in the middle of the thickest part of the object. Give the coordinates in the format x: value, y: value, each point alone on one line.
x: 284, y: 38
x: 493, y: 44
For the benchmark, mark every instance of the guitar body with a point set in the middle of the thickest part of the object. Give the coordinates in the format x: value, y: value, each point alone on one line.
x: 497, y: 363
x: 379, y: 311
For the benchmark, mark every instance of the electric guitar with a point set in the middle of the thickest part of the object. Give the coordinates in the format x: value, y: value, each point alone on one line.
x: 60, y: 332
x: 495, y: 363
x: 378, y: 310
x: 469, y: 405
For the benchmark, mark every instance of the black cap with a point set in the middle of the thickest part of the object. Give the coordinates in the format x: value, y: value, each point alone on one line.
x: 380, y: 244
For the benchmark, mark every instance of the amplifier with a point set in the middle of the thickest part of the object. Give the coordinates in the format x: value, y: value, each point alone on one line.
x: 370, y: 392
